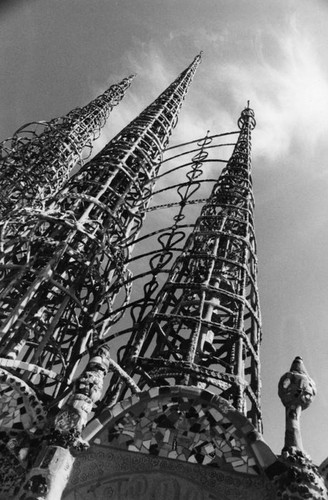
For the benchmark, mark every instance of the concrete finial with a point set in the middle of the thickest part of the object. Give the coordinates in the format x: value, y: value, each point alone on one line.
x: 296, y: 388
x: 296, y: 391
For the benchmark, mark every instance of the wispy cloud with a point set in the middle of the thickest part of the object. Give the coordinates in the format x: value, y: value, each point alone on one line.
x: 279, y: 71
x: 289, y: 93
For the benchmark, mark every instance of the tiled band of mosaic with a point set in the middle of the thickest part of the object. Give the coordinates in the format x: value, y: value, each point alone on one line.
x: 20, y: 407
x: 184, y: 423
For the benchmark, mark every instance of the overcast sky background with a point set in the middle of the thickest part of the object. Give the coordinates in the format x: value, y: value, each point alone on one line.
x: 59, y: 54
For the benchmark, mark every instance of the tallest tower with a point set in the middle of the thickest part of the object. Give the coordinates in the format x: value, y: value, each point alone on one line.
x: 62, y: 266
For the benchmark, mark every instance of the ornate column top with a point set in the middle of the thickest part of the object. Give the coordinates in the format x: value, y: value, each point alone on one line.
x: 296, y: 388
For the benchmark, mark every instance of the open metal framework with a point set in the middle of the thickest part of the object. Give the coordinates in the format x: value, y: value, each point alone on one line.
x: 62, y: 265
x: 198, y: 321
x: 38, y: 159
x: 176, y: 301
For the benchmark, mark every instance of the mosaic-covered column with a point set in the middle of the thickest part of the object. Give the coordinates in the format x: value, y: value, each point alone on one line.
x: 302, y: 479
x: 52, y: 467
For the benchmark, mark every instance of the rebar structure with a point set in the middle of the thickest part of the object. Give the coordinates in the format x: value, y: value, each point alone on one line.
x: 62, y: 265
x: 38, y: 159
x: 204, y: 327
x: 186, y: 383
x: 137, y: 344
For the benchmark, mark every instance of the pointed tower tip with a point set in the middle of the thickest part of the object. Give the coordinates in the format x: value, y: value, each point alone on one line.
x: 247, y: 116
x: 298, y: 365
x: 196, y: 61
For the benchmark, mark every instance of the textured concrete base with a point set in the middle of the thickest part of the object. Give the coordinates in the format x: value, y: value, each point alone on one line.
x: 105, y: 473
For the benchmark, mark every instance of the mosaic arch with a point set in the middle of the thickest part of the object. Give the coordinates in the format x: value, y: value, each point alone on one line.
x: 21, y: 415
x: 20, y: 408
x: 186, y: 424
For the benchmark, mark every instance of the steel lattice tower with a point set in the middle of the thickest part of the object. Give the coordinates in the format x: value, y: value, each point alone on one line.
x: 68, y: 252
x: 62, y: 266
x: 186, y: 392
x: 204, y: 328
x: 188, y: 388
x: 38, y: 159
x: 184, y: 386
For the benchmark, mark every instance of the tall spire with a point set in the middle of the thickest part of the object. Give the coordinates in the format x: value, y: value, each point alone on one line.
x: 194, y: 357
x: 37, y: 160
x: 121, y: 176
x: 204, y: 329
x: 60, y: 263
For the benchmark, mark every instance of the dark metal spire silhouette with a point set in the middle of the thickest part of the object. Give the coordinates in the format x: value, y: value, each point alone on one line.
x: 37, y: 160
x: 58, y: 263
x: 62, y: 264
x: 204, y: 328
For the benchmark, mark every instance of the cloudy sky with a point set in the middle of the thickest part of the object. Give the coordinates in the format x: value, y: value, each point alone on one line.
x: 59, y: 54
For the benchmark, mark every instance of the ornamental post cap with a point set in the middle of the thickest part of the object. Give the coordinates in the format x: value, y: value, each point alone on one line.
x: 298, y: 366
x: 296, y: 388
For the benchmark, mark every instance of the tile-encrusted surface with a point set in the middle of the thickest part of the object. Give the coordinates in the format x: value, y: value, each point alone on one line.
x: 105, y: 473
x: 183, y: 428
x: 182, y: 423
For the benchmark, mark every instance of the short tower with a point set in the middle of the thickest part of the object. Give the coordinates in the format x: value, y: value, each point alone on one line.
x: 38, y: 159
